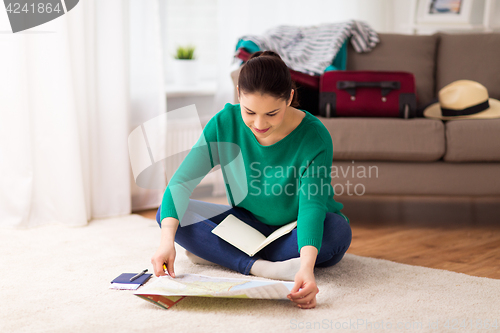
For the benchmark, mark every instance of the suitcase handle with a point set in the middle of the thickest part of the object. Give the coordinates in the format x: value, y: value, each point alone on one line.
x: 386, y: 86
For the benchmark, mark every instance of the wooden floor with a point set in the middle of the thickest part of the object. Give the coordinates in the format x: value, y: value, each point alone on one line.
x: 455, y: 234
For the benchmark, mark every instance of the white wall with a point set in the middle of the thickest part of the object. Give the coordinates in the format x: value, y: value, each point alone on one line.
x: 196, y: 21
x: 402, y: 16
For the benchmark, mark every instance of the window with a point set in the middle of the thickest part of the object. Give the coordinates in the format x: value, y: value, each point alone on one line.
x: 190, y: 22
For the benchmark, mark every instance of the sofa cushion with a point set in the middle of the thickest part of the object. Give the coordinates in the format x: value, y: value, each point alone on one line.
x: 469, y: 56
x: 472, y: 140
x: 397, y: 52
x: 389, y: 139
x: 425, y: 178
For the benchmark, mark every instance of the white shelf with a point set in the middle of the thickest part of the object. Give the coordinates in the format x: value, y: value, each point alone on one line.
x: 202, y: 88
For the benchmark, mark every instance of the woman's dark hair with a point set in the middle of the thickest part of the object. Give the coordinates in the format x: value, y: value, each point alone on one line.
x: 266, y: 73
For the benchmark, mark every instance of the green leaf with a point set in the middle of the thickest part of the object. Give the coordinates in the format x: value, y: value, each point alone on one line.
x: 186, y: 52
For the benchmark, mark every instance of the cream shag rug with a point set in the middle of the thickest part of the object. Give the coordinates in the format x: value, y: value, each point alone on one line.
x: 55, y: 279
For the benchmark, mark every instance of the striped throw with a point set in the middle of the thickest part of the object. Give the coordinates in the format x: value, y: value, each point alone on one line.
x: 311, y: 49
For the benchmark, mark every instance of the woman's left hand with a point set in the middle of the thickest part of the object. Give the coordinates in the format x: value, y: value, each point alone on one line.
x: 306, y: 297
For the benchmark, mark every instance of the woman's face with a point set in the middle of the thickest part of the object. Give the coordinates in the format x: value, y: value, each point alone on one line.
x: 263, y: 114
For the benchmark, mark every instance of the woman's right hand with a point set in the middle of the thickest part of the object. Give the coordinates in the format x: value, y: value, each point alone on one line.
x: 166, y: 251
x: 164, y: 255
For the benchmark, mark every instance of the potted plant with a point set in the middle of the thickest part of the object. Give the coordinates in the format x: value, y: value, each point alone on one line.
x: 186, y: 71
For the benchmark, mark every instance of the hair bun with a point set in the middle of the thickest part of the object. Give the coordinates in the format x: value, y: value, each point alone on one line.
x: 266, y: 73
x: 264, y: 53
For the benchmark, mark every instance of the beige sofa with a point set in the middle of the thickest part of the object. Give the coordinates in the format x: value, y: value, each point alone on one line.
x: 421, y: 156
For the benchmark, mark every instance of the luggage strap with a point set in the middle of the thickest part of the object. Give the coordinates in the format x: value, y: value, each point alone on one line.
x: 386, y: 86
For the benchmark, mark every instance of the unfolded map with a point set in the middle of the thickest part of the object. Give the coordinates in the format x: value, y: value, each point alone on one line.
x: 165, y: 291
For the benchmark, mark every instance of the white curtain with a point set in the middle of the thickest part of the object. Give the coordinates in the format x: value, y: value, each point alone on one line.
x: 66, y: 109
x: 148, y: 99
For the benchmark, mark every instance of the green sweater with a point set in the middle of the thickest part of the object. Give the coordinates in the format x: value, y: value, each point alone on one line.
x: 286, y: 181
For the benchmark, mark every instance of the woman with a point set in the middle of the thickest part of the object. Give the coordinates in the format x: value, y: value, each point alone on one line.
x: 276, y: 162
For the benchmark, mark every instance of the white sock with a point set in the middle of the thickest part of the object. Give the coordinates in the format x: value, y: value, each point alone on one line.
x: 278, y: 270
x: 197, y: 260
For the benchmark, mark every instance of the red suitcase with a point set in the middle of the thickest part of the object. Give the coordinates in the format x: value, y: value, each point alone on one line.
x: 367, y: 94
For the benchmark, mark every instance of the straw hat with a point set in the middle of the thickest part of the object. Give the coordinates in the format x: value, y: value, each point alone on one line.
x: 464, y: 99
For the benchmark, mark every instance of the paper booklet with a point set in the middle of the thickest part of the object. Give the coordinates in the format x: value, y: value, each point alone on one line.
x: 246, y: 238
x: 166, y: 291
x: 123, y: 281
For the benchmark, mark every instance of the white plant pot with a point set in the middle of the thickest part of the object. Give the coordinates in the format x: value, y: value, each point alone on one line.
x: 186, y: 71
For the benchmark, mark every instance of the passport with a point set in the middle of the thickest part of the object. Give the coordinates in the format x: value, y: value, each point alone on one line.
x: 123, y: 281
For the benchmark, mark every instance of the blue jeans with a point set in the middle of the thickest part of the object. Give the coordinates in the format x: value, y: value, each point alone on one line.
x: 198, y: 238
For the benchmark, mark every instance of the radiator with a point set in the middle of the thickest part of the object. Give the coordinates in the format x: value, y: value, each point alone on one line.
x: 158, y: 147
